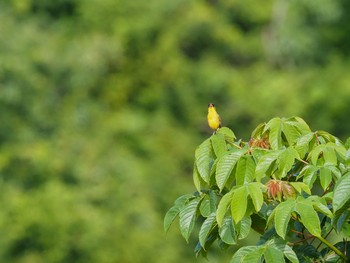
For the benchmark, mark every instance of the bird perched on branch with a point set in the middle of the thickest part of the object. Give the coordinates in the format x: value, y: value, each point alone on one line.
x: 214, y: 119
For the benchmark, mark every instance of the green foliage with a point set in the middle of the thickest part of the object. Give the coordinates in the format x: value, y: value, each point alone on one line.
x: 272, y: 192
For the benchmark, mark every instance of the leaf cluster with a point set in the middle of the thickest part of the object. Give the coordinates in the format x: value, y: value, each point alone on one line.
x: 288, y: 183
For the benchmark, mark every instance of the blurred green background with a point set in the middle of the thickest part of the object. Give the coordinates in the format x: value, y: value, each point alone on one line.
x: 103, y: 102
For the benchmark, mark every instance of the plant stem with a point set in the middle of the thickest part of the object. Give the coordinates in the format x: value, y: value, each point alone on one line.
x: 337, y: 251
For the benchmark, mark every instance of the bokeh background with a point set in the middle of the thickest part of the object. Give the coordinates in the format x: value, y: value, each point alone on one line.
x: 103, y: 102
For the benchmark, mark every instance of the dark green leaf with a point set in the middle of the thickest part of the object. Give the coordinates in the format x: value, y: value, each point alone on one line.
x: 243, y: 227
x: 188, y: 217
x: 206, y: 228
x: 341, y: 192
x: 227, y: 231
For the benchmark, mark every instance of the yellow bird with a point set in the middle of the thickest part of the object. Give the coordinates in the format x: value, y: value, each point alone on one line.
x: 214, y: 119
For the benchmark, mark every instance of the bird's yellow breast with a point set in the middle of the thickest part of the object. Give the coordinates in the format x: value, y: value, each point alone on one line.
x: 213, y: 119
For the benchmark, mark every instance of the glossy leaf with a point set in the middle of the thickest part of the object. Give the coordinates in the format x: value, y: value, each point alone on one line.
x: 308, y: 218
x: 240, y: 254
x: 206, y: 228
x: 225, y: 166
x: 255, y: 193
x: 264, y: 164
x: 170, y: 217
x: 300, y: 186
x: 218, y: 143
x: 275, y: 130
x: 273, y: 255
x: 341, y: 192
x: 243, y: 227
x: 282, y: 216
x: 227, y: 231
x: 228, y: 133
x: 223, y: 207
x: 286, y: 160
x: 188, y: 217
x: 245, y: 170
x: 203, y: 158
x: 239, y: 203
x: 325, y: 177
x: 302, y: 144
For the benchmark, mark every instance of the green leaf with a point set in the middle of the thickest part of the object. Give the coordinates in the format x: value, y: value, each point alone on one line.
x: 329, y: 156
x: 325, y: 177
x: 188, y: 217
x: 341, y: 192
x: 286, y: 160
x: 245, y: 170
x: 264, y: 164
x: 218, y: 143
x: 206, y: 228
x: 309, y: 218
x: 256, y: 195
x: 227, y: 231
x: 273, y: 255
x: 243, y: 227
x: 320, y: 205
x: 170, y: 217
x: 205, y: 206
x: 203, y: 159
x: 287, y: 250
x: 197, y: 180
x: 300, y: 186
x: 302, y: 144
x: 315, y: 153
x: 223, y: 207
x: 254, y: 256
x: 308, y: 173
x: 239, y: 203
x: 238, y: 257
x: 225, y: 166
x: 291, y: 132
x: 229, y: 134
x: 275, y: 127
x: 282, y: 216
